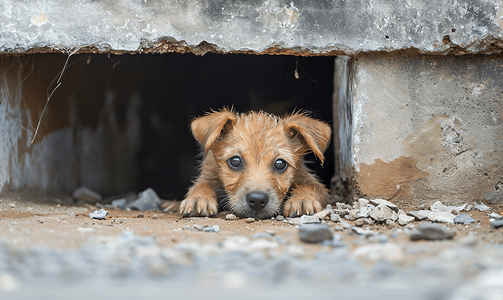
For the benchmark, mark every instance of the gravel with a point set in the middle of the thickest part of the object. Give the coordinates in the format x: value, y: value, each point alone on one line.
x: 314, y: 233
x: 464, y: 219
x: 98, y: 214
x: 147, y: 200
x: 430, y: 231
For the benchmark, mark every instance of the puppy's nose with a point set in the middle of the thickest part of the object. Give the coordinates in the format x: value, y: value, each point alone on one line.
x: 257, y: 200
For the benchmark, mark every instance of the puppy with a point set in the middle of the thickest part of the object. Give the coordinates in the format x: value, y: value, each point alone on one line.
x: 257, y: 158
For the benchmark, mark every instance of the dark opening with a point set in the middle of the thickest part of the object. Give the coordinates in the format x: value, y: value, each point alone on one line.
x: 175, y: 88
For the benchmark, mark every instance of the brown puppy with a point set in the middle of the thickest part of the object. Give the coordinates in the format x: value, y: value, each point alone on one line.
x: 258, y: 160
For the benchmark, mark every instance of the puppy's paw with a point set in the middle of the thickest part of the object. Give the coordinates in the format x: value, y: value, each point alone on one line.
x: 198, y: 207
x: 297, y: 206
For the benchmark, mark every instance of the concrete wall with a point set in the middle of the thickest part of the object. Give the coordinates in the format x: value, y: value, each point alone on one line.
x: 270, y: 26
x: 428, y: 128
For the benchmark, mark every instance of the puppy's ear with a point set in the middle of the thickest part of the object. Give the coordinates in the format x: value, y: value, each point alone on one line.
x: 208, y: 128
x: 314, y: 134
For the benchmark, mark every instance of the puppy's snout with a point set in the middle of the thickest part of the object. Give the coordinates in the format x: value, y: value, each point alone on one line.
x: 257, y: 200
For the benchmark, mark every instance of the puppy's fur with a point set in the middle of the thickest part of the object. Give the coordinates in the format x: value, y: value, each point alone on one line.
x: 257, y: 158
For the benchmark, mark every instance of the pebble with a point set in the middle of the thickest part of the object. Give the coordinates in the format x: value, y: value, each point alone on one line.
x: 464, y: 219
x: 230, y: 217
x: 359, y: 222
x: 390, y: 223
x: 322, y: 214
x: 352, y: 215
x: 12, y: 205
x: 403, y: 219
x: 248, y: 220
x: 147, y: 200
x: 198, y: 227
x: 335, y: 218
x: 345, y: 225
x: 314, y: 233
x: 430, y: 231
x: 98, y: 214
x: 279, y: 218
x: 481, y: 207
x: 438, y: 206
x: 497, y: 223
x: 309, y: 219
x: 382, y: 213
x: 119, y: 203
x: 363, y: 232
x: 214, y: 228
x: 495, y: 216
x: 362, y: 203
x: 86, y: 195
x: 365, y: 211
x: 342, y: 206
x: 342, y: 212
x: 155, y: 217
x: 441, y: 217
x: 420, y: 215
x: 377, y: 202
x: 469, y: 207
x: 338, y: 227
x: 368, y: 221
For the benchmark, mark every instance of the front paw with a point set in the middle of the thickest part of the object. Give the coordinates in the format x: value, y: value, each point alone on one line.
x: 298, y: 206
x: 198, y: 207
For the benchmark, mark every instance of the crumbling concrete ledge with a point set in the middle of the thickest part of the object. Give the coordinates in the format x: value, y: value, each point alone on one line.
x: 260, y: 26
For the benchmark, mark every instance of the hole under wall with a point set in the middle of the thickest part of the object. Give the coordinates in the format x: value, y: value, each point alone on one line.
x: 118, y: 123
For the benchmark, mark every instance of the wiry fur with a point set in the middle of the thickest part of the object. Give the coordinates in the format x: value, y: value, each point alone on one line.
x: 259, y: 139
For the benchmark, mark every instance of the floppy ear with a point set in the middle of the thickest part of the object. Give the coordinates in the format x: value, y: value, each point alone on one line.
x: 314, y: 134
x: 208, y: 128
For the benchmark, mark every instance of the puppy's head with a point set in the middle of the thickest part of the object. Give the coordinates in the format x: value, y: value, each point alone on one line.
x: 258, y: 154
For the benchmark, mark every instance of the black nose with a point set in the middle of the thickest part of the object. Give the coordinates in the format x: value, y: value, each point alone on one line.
x: 257, y: 200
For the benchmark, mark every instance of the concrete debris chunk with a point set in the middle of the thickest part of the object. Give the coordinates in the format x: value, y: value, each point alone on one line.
x: 352, y: 215
x: 146, y: 200
x: 403, y: 219
x: 481, y: 207
x: 214, y: 228
x: 230, y: 217
x: 322, y: 214
x: 309, y: 219
x: 420, y: 215
x: 98, y: 214
x: 335, y: 218
x: 365, y: 211
x: 497, y: 223
x: 377, y: 202
x: 495, y: 216
x: 438, y: 206
x: 362, y: 203
x: 430, y: 232
x: 342, y: 212
x: 86, y: 195
x: 464, y: 219
x: 382, y: 213
x: 441, y: 217
x: 340, y: 205
x: 314, y: 233
x: 119, y: 203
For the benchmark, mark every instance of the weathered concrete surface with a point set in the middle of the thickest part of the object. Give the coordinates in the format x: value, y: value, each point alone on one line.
x: 278, y: 26
x: 428, y: 128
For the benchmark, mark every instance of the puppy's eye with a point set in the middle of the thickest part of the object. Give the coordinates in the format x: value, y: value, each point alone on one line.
x: 235, y: 163
x: 280, y: 165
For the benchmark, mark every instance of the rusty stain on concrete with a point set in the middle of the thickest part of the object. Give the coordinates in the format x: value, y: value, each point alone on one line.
x: 392, y: 180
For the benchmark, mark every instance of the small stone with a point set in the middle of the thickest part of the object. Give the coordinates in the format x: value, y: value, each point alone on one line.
x: 362, y: 203
x: 390, y: 223
x: 495, y: 216
x: 279, y: 218
x: 430, y: 231
x: 309, y: 219
x: 377, y: 202
x: 368, y: 221
x: 329, y: 208
x: 86, y: 195
x: 12, y: 205
x: 359, y: 223
x: 464, y: 219
x: 497, y: 223
x: 314, y: 233
x: 293, y: 221
x: 198, y: 227
x: 345, y: 225
x: 322, y: 214
x: 363, y: 232
x: 481, y: 207
x: 340, y: 205
x: 382, y: 213
x: 468, y: 207
x: 147, y: 200
x: 420, y: 214
x: 119, y: 203
x: 352, y: 215
x: 140, y: 216
x: 155, y: 217
x: 214, y: 228
x: 335, y: 218
x: 438, y: 206
x: 342, y: 212
x: 230, y: 217
x: 403, y: 219
x: 365, y: 211
x: 441, y: 217
x: 249, y: 220
x: 98, y: 214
